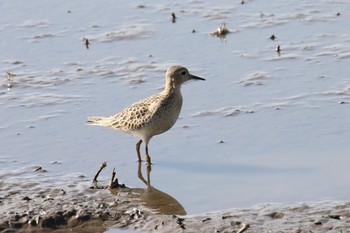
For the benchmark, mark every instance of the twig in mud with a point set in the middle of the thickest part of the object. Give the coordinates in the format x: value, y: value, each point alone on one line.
x: 112, y: 179
x: 104, y: 164
x: 115, y: 183
x: 243, y: 228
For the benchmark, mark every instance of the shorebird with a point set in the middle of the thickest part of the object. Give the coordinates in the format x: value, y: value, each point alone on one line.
x: 153, y: 115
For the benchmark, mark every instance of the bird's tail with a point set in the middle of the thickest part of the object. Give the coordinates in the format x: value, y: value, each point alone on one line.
x: 102, y: 121
x: 94, y: 120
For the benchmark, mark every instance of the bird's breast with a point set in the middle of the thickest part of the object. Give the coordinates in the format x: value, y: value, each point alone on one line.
x: 166, y: 114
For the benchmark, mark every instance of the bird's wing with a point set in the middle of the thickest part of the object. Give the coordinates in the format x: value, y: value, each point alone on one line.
x: 136, y: 115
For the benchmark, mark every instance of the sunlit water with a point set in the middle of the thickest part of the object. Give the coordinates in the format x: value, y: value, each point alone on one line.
x: 263, y: 127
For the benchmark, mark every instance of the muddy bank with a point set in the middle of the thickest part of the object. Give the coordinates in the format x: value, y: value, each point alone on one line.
x: 32, y: 201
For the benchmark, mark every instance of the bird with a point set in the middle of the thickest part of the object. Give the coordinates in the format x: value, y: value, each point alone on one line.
x: 153, y: 115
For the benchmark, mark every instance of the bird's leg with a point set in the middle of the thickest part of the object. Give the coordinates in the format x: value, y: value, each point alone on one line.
x: 138, y: 150
x: 148, y: 158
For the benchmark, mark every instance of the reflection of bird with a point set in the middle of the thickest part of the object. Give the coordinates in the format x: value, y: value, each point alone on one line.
x: 153, y: 115
x: 155, y: 199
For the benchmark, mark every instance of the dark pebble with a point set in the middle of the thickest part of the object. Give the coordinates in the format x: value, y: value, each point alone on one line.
x: 226, y: 216
x: 206, y: 219
x: 16, y: 225
x: 276, y: 215
x: 84, y: 217
x: 26, y: 199
x: 54, y: 221
x: 318, y: 223
x: 32, y: 222
x: 338, y: 217
x: 70, y: 213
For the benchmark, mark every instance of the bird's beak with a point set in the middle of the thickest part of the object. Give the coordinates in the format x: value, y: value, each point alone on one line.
x: 197, y: 78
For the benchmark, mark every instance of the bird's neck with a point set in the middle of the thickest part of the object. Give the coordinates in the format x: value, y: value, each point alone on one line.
x: 172, y: 89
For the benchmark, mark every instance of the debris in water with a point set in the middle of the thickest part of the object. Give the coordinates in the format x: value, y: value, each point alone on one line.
x: 9, y: 77
x: 173, y: 17
x: 278, y: 49
x: 40, y: 169
x: 86, y: 42
x: 221, y: 31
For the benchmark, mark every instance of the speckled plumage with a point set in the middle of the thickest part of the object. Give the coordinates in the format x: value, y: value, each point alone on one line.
x: 153, y: 115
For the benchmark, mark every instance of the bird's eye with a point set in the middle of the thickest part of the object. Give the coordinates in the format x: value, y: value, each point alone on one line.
x: 183, y: 72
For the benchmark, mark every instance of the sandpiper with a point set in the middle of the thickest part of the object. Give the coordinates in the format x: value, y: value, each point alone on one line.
x: 153, y: 115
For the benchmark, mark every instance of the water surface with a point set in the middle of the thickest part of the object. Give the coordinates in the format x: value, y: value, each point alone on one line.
x: 264, y: 127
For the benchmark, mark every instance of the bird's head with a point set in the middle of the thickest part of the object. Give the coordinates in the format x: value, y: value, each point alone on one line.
x: 177, y: 75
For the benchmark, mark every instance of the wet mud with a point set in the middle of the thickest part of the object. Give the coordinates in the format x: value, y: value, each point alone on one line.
x: 33, y: 204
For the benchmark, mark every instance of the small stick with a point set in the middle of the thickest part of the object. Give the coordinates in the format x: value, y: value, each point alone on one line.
x: 115, y: 183
x: 111, y: 184
x: 243, y: 228
x: 104, y: 164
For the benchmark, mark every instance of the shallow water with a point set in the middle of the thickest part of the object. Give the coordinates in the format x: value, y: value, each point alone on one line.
x: 263, y: 127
